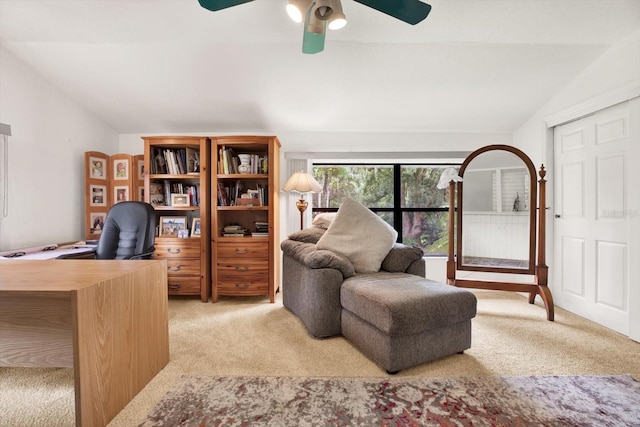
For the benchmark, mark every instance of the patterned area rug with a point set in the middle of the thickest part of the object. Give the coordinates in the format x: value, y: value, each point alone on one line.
x: 480, y: 401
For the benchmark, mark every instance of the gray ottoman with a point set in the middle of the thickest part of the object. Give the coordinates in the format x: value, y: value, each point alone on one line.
x: 401, y: 320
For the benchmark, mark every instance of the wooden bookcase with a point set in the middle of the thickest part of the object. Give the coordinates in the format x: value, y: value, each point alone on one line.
x: 246, y: 196
x: 176, y: 182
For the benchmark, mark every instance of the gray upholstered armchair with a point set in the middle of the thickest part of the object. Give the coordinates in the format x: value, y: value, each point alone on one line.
x: 312, y: 278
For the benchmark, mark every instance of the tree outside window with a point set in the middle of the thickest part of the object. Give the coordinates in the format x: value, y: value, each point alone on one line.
x: 403, y: 195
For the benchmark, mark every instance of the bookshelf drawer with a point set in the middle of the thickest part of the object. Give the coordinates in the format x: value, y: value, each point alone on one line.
x: 183, y: 267
x: 177, y: 248
x: 242, y: 287
x: 243, y: 270
x: 183, y: 285
x: 237, y: 250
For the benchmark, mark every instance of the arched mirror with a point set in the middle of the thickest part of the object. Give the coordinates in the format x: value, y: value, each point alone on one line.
x: 497, y: 220
x: 498, y: 214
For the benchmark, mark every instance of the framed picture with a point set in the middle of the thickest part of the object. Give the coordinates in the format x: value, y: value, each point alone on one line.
x: 97, y: 168
x: 179, y: 200
x: 141, y: 169
x: 156, y: 194
x: 141, y: 193
x: 121, y: 169
x: 171, y: 225
x: 121, y: 193
x: 195, y: 227
x: 98, y: 195
x: 97, y: 222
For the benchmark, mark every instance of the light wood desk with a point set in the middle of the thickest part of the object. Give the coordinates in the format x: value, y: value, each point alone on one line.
x: 106, y: 319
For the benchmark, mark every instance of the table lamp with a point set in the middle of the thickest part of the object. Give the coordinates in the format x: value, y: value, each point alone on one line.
x: 302, y: 182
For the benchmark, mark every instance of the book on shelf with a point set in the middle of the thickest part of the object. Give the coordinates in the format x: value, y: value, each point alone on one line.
x: 227, y: 156
x: 176, y: 161
x: 261, y: 225
x: 259, y: 234
x: 233, y: 230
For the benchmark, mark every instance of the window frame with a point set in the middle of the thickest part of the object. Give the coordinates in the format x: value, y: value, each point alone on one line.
x: 397, y: 209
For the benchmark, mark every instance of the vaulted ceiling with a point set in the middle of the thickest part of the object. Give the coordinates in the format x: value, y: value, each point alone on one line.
x: 172, y: 66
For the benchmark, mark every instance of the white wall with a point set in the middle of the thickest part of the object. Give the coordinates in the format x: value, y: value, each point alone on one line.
x: 617, y: 67
x: 50, y: 134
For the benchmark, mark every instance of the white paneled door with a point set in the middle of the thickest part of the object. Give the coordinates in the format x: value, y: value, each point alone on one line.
x: 596, y: 238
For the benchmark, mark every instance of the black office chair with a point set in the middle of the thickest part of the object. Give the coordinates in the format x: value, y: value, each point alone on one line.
x: 128, y: 233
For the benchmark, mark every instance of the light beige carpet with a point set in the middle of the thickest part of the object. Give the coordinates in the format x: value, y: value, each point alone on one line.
x: 249, y: 336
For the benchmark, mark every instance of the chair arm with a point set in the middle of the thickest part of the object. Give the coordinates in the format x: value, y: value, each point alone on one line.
x: 144, y: 255
x: 90, y: 253
x: 311, y: 257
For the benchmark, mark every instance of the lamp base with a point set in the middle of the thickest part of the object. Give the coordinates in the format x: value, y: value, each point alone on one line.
x: 301, y: 204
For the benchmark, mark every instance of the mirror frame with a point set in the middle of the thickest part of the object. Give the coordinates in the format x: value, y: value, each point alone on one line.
x: 533, y: 186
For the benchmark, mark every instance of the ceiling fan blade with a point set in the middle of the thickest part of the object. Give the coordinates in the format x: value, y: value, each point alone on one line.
x: 409, y: 11
x: 215, y: 5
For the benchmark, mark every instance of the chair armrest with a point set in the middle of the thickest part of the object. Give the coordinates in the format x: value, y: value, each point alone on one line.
x: 144, y: 255
x: 311, y: 257
x: 89, y: 253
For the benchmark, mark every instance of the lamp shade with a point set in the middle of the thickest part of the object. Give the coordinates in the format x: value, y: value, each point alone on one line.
x: 297, y: 9
x: 302, y: 182
x: 448, y: 175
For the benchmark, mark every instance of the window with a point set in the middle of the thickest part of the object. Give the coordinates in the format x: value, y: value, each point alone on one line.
x: 403, y: 195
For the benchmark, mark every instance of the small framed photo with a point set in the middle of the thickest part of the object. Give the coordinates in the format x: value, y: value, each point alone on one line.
x: 141, y: 193
x: 97, y: 222
x: 195, y: 228
x: 98, y: 195
x: 179, y: 200
x: 141, y: 169
x: 121, y: 193
x: 183, y: 234
x: 156, y: 194
x: 121, y: 168
x: 97, y: 168
x: 171, y: 225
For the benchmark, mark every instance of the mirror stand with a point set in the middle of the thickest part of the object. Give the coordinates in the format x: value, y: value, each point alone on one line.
x: 539, y: 272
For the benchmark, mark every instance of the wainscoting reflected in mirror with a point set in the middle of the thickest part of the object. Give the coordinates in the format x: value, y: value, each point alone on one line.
x: 496, y: 212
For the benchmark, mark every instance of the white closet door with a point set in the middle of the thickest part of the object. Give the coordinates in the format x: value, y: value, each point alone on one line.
x: 596, y: 256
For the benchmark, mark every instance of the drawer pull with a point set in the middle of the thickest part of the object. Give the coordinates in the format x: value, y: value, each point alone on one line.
x: 242, y: 285
x: 174, y: 286
x: 242, y: 251
x: 242, y: 268
x: 173, y: 251
x: 176, y: 268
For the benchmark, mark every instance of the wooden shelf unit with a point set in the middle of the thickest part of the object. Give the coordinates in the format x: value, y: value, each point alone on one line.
x: 245, y: 265
x: 188, y: 267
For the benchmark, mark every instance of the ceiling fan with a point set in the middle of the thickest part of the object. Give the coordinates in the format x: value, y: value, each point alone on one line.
x: 320, y: 14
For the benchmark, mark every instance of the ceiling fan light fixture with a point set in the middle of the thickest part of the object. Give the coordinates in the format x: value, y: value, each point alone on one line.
x: 338, y: 19
x: 315, y: 25
x: 296, y: 9
x: 324, y: 9
x: 338, y: 22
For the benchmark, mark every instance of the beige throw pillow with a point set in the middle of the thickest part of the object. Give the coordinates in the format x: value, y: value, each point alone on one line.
x: 360, y: 235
